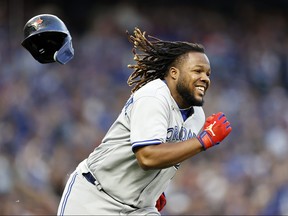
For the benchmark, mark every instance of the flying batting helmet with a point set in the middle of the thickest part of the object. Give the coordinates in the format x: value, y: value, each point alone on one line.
x: 48, y: 40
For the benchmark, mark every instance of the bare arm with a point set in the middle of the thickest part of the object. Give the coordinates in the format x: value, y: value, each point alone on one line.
x: 167, y: 154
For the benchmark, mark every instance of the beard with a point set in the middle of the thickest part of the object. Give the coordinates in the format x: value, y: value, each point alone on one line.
x: 187, y: 96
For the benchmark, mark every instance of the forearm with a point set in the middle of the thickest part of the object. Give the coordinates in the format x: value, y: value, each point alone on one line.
x: 167, y: 154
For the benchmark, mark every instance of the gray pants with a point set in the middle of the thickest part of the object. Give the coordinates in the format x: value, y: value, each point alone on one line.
x: 81, y: 197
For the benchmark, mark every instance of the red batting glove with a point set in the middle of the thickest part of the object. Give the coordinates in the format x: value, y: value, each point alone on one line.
x: 215, y: 129
x: 161, y: 202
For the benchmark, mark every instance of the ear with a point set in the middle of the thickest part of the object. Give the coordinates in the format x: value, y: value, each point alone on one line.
x: 174, y: 73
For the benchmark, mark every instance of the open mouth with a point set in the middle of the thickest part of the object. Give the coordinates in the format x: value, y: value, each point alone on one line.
x: 201, y: 89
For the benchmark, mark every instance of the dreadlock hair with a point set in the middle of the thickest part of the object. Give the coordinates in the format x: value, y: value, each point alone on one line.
x: 156, y: 57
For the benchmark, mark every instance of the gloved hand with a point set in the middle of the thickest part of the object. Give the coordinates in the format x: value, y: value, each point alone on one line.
x: 215, y: 129
x: 161, y: 202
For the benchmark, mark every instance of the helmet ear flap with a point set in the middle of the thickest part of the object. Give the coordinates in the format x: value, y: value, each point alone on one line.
x: 47, y: 39
x: 65, y: 53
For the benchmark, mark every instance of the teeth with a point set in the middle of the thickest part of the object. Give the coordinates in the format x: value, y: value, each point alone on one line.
x: 200, y: 88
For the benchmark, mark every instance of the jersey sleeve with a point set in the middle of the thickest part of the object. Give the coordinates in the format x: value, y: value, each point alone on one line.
x: 149, y: 122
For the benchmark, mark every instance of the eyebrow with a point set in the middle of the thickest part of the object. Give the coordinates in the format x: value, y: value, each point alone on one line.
x: 202, y: 66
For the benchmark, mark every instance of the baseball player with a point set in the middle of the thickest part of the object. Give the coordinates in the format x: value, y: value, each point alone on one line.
x: 161, y: 125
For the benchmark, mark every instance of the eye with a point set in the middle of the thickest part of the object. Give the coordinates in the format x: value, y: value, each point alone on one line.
x: 198, y: 70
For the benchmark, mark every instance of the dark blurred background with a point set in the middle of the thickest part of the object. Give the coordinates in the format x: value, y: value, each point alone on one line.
x: 52, y: 116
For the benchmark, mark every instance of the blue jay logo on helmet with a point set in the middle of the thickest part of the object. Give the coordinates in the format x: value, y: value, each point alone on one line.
x: 36, y: 24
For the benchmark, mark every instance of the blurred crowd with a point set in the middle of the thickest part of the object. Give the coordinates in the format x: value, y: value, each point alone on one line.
x: 52, y: 116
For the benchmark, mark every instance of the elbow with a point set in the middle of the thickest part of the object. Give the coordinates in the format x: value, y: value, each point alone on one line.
x: 145, y: 165
x: 145, y: 160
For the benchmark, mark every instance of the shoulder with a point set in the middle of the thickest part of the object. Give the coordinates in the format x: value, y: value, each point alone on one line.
x: 156, y: 88
x: 154, y: 95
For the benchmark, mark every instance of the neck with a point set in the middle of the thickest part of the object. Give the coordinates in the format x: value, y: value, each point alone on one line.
x: 175, y: 95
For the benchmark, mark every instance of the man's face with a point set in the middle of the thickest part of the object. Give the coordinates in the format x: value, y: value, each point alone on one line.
x: 193, y: 79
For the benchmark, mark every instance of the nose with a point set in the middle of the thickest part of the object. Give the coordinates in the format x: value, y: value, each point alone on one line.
x: 205, y: 78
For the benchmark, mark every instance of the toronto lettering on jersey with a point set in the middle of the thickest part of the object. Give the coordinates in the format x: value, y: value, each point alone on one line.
x: 174, y: 134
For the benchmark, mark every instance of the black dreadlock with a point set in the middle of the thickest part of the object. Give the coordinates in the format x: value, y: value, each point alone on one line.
x: 157, y: 56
